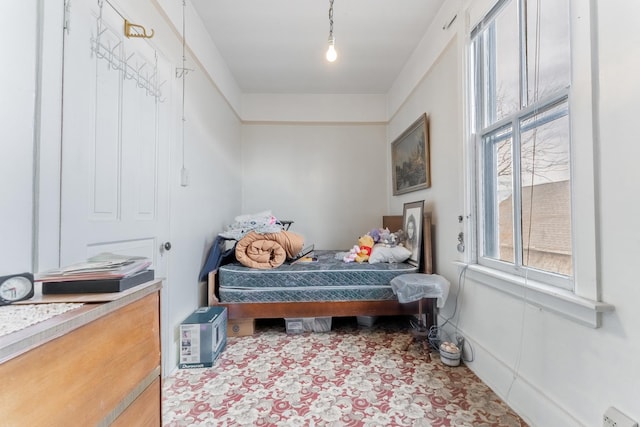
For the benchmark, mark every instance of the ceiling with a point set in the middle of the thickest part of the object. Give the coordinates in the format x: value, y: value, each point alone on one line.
x: 278, y: 46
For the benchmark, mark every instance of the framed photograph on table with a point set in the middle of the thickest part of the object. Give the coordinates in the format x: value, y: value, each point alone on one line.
x: 412, y: 225
x: 410, y: 158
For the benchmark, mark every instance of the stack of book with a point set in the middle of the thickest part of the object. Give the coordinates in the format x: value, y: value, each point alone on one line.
x: 105, y: 272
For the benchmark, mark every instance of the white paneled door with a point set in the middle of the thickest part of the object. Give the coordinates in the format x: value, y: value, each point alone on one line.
x: 115, y: 145
x: 115, y: 150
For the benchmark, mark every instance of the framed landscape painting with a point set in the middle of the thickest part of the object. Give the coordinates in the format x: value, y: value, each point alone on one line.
x: 410, y: 158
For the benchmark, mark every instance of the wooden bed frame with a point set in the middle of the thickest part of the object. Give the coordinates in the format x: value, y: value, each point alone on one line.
x: 273, y: 310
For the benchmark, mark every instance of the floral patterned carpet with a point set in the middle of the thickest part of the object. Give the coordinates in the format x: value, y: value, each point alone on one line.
x: 351, y: 376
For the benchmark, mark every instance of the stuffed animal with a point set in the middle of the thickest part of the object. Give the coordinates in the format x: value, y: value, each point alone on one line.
x: 387, y: 238
x: 376, y: 234
x: 390, y: 239
x: 366, y: 244
x: 352, y: 254
x: 401, y: 237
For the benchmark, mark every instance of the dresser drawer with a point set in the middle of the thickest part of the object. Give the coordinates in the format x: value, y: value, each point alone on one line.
x: 86, y: 376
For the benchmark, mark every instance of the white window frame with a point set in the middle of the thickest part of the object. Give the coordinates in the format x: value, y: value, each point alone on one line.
x: 582, y: 303
x: 515, y: 268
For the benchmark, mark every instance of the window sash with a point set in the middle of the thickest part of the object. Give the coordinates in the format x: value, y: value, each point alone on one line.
x: 505, y: 130
x: 483, y: 51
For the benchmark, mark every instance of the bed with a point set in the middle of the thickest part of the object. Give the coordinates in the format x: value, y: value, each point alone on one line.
x: 326, y: 288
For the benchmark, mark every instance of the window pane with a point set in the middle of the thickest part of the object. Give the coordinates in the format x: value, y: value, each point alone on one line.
x: 546, y: 191
x: 548, y: 47
x: 501, y: 75
x: 521, y: 72
x: 499, y: 196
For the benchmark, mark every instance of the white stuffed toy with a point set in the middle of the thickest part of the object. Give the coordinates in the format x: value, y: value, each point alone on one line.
x: 353, y: 253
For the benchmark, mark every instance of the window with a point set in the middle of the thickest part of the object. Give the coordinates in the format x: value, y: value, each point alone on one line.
x: 534, y: 131
x: 521, y: 62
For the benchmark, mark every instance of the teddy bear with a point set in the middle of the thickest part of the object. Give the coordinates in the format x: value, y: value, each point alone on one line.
x: 365, y: 244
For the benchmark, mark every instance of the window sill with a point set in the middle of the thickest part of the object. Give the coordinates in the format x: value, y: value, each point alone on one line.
x: 562, y: 302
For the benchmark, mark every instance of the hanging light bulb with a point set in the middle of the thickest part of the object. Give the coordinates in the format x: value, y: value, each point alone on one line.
x: 332, y: 55
x: 331, y: 52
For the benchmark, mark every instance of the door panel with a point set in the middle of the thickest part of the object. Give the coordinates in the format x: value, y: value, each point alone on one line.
x: 115, y: 149
x: 117, y: 123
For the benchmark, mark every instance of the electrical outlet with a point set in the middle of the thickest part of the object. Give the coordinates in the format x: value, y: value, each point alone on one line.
x: 614, y: 418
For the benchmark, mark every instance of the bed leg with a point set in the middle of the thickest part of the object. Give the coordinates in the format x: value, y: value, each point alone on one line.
x: 212, y: 299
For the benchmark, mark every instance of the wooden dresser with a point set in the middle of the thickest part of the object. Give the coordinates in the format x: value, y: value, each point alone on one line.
x: 94, y: 365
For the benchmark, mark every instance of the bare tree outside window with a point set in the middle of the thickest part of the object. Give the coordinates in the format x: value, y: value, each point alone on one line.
x: 526, y: 174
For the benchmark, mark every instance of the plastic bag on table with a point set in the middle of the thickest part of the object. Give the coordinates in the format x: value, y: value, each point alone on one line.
x: 415, y: 286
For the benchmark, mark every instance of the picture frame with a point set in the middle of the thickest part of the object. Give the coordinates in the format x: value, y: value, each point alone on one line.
x: 427, y: 250
x: 412, y: 223
x: 410, y: 158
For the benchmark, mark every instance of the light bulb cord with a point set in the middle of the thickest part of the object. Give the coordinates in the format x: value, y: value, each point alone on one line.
x: 330, y: 19
x: 331, y: 52
x: 184, y: 80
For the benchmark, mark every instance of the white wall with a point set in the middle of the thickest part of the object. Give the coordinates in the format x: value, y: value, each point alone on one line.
x: 200, y: 45
x: 314, y: 108
x: 212, y: 158
x: 202, y: 209
x: 553, y: 371
x: 328, y: 178
x: 319, y: 160
x: 438, y: 95
x: 18, y: 30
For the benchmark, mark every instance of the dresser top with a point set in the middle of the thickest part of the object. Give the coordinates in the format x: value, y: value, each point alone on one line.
x: 89, y: 308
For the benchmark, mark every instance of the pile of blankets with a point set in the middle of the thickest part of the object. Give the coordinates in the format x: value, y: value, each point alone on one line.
x: 268, y: 250
x: 263, y: 222
x: 261, y: 241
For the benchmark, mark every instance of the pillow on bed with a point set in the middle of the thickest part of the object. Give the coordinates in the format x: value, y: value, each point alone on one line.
x: 382, y: 253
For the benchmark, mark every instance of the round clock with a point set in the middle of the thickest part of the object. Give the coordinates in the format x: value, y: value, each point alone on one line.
x: 15, y: 287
